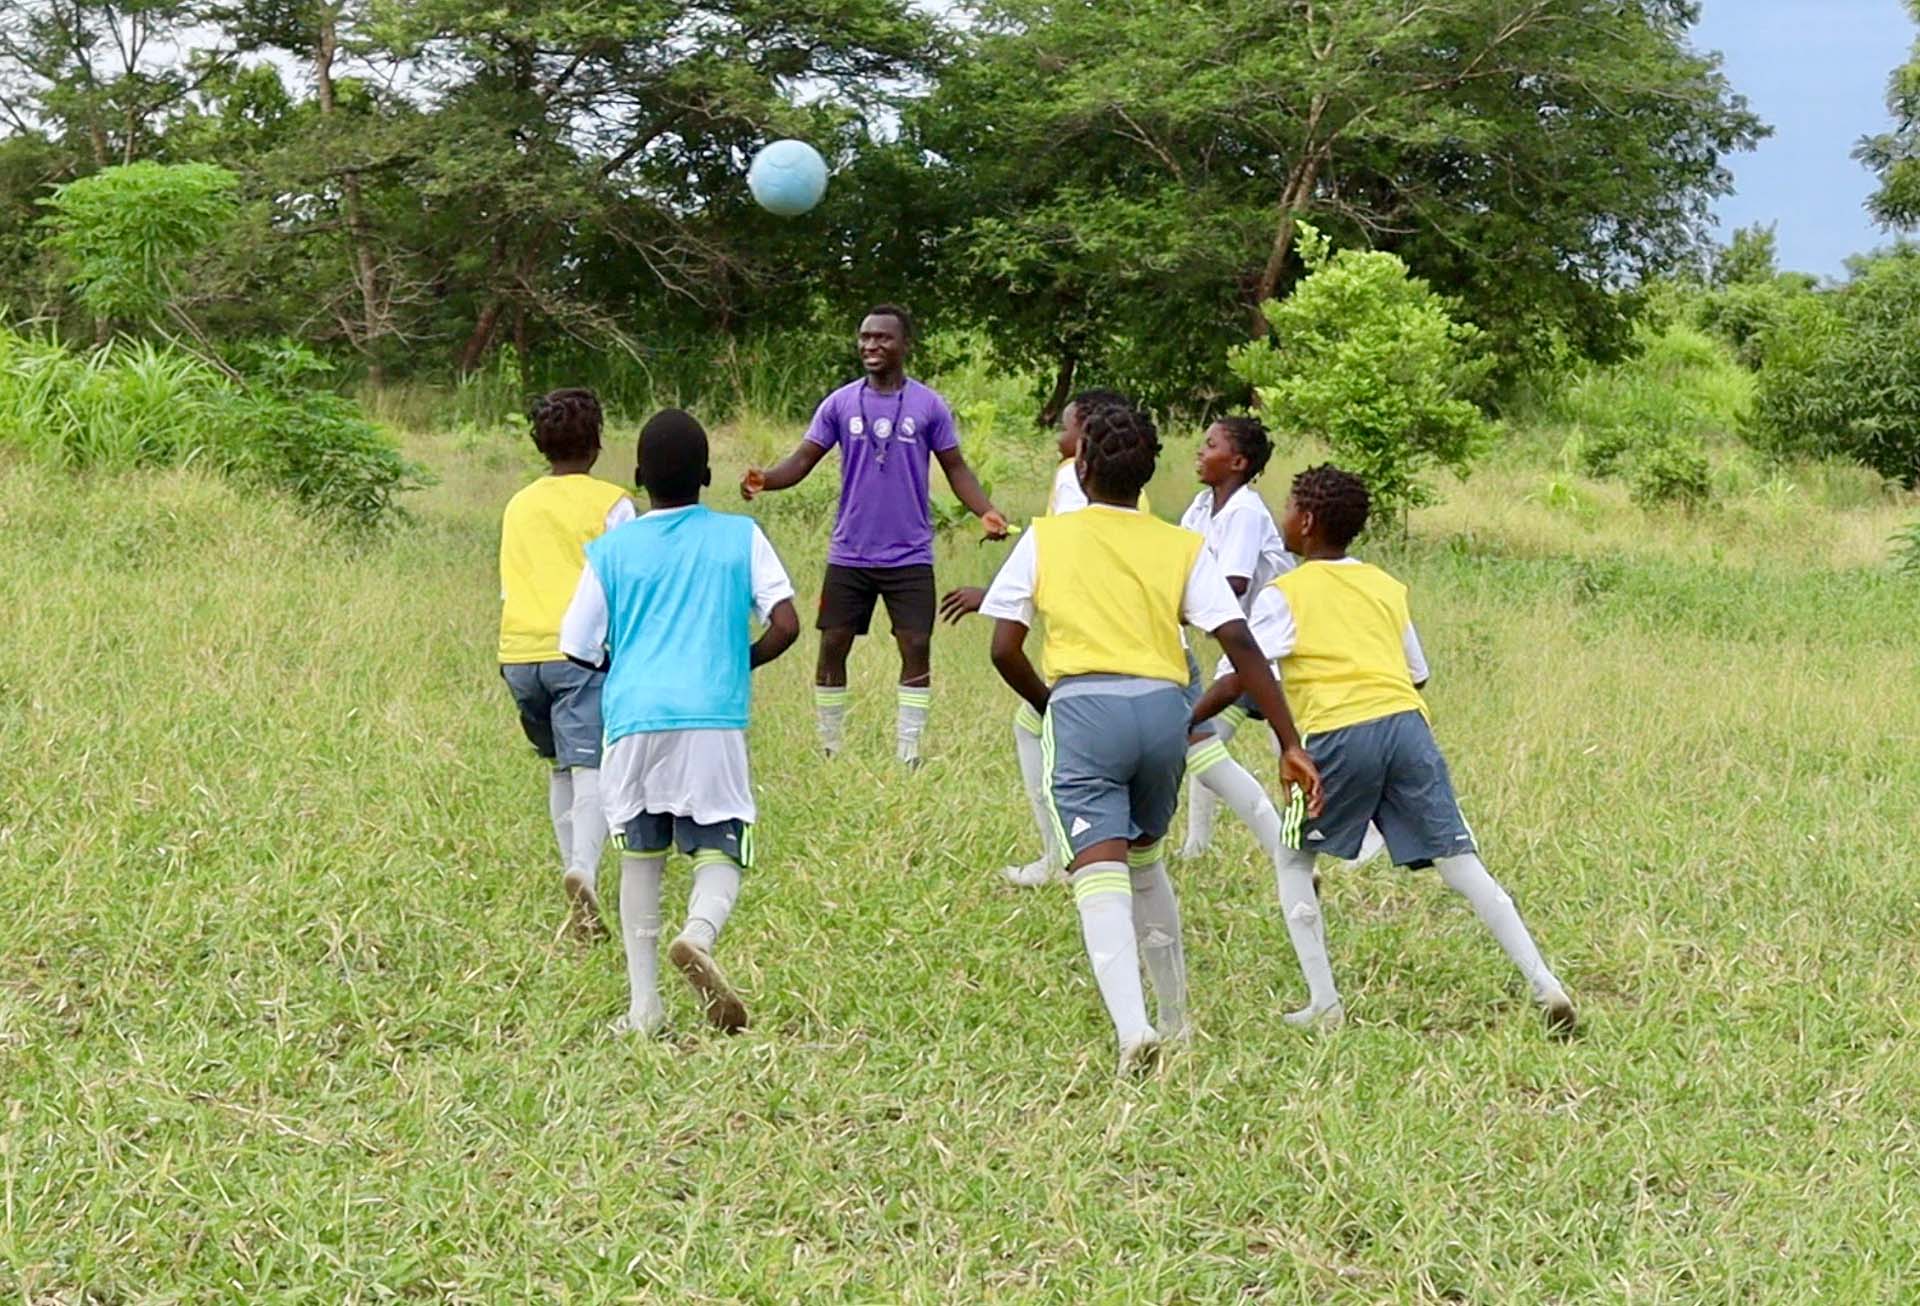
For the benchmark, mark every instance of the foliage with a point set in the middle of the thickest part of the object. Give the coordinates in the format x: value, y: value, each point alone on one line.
x: 1123, y: 179
x: 1841, y: 376
x: 1906, y: 549
x: 127, y: 232
x: 136, y: 404
x: 1368, y: 359
x: 1894, y: 156
x: 1669, y: 471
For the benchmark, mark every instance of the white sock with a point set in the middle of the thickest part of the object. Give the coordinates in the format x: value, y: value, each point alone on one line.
x: 1466, y: 876
x: 589, y: 822
x: 830, y: 714
x: 1033, y: 776
x: 640, y: 875
x: 560, y: 810
x: 1156, y: 928
x: 1209, y: 762
x: 1300, y: 906
x: 912, y: 720
x: 716, y: 883
x: 1103, y: 892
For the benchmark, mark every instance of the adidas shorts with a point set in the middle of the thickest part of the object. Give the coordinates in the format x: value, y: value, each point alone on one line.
x: 656, y: 832
x: 1115, y: 752
x: 1390, y: 772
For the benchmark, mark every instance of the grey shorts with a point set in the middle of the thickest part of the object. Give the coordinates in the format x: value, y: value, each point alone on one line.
x: 559, y: 706
x: 1194, y: 689
x: 1388, y: 771
x: 1115, y: 750
x: 656, y: 832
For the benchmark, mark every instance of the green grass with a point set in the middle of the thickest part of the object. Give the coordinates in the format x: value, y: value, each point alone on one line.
x: 283, y: 1015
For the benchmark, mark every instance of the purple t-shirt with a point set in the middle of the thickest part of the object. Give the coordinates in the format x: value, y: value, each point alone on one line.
x: 885, y: 443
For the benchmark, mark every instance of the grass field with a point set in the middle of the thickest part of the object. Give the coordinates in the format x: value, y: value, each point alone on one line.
x: 284, y: 1016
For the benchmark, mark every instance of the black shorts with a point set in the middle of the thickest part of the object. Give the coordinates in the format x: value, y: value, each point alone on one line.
x: 848, y: 593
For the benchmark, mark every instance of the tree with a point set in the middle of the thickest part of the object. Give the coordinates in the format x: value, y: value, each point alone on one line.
x: 128, y: 235
x: 1841, y: 376
x: 1895, y: 155
x: 1137, y: 170
x: 1368, y: 359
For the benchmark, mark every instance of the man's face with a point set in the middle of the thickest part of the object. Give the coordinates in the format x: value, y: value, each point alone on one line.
x: 883, y: 343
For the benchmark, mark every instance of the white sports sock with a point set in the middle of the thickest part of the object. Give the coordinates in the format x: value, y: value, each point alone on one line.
x: 560, y: 811
x: 640, y: 875
x: 830, y: 714
x: 1466, y: 876
x: 1033, y: 776
x: 1103, y: 892
x: 589, y: 823
x: 1293, y: 869
x: 1156, y: 928
x: 911, y: 720
x: 716, y: 883
x: 1209, y: 762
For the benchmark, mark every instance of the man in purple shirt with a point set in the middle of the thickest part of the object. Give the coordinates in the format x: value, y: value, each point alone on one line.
x: 885, y: 426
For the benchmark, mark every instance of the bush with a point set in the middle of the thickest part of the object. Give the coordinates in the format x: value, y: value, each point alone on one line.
x: 1669, y: 472
x: 135, y: 404
x: 1367, y: 357
x: 1840, y: 375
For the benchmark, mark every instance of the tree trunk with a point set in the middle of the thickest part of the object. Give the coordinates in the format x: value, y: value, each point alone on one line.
x: 1062, y: 387
x: 476, y: 347
x: 366, y: 272
x: 1293, y: 200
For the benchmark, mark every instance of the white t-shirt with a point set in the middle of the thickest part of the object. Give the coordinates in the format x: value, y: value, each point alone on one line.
x: 699, y: 774
x: 1066, y: 495
x: 1274, y: 631
x: 1208, y: 601
x: 1241, y: 537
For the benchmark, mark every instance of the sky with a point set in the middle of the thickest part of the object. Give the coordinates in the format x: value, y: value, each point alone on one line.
x: 1816, y: 70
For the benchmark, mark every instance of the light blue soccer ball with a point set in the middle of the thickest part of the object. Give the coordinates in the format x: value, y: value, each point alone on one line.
x: 787, y: 178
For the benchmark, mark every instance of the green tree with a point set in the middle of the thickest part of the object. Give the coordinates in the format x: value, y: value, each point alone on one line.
x: 129, y: 235
x: 1132, y: 173
x: 1368, y: 359
x: 1895, y: 155
x: 1841, y: 375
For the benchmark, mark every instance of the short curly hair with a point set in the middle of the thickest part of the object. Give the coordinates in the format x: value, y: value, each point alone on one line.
x: 566, y: 424
x: 1250, y: 441
x: 1337, y: 499
x: 1119, y: 448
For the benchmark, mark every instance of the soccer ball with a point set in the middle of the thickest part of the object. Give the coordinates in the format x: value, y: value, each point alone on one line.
x: 787, y: 178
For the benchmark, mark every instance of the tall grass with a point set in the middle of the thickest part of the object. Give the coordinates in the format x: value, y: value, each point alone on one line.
x: 283, y: 1013
x: 137, y: 405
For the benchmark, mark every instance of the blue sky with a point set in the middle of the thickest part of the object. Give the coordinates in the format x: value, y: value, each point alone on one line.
x: 1817, y: 71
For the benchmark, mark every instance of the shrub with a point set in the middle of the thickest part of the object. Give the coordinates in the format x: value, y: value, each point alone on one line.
x: 1906, y: 549
x: 134, y: 404
x: 1840, y: 375
x: 1367, y: 357
x: 1669, y: 472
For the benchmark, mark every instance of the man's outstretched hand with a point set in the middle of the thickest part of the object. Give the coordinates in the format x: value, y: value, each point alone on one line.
x: 752, y: 482
x: 959, y: 603
x: 994, y: 524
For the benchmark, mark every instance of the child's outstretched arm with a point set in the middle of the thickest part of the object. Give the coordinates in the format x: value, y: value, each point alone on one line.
x: 1010, y: 660
x: 1220, y: 696
x: 783, y: 628
x: 1250, y: 669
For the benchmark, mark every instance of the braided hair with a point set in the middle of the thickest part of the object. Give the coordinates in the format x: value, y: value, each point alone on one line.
x: 1249, y: 438
x: 1098, y: 397
x: 1337, y: 499
x: 1118, y: 451
x: 566, y: 424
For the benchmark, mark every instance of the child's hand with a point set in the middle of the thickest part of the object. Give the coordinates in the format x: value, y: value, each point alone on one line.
x: 1296, y: 768
x: 958, y: 603
x: 752, y: 482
